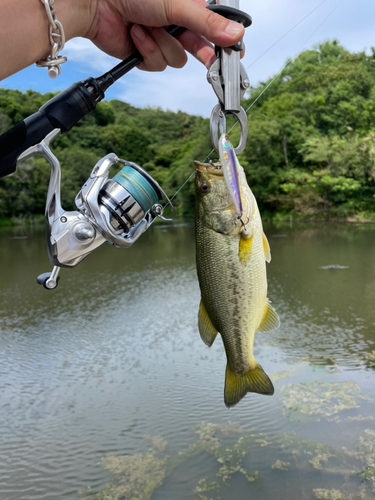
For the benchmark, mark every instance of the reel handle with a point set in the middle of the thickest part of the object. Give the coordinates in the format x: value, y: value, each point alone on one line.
x: 49, y: 280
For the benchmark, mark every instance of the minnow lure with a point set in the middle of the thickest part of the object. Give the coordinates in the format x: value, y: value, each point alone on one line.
x: 231, y: 169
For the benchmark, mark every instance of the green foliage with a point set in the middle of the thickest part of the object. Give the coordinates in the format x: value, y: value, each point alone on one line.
x: 310, y: 148
x: 104, y: 113
x: 5, y: 122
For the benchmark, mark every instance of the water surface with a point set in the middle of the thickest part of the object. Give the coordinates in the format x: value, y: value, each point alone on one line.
x: 107, y: 391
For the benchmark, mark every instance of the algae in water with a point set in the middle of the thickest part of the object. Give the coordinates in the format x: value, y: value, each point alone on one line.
x: 370, y: 356
x: 321, y: 494
x: 157, y: 441
x: 316, y: 400
x: 204, y: 487
x: 137, y: 477
x: 285, y: 373
x: 361, y: 418
x: 281, y: 465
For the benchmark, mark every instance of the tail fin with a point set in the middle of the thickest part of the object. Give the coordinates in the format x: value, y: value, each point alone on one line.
x: 255, y: 380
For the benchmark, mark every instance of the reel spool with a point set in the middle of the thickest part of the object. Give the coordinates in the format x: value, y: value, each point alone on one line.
x: 127, y: 197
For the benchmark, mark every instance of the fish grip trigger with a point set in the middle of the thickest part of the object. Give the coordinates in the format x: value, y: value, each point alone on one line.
x: 232, y: 14
x: 229, y: 79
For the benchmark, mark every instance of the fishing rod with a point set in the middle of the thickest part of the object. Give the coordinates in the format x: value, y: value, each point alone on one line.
x: 118, y: 210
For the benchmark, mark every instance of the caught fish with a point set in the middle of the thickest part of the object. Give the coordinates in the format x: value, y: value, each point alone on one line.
x: 232, y: 251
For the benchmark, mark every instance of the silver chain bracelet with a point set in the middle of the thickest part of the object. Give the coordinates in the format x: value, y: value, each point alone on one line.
x: 57, y: 40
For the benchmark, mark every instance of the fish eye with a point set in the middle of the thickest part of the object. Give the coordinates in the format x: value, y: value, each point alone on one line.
x: 205, y: 187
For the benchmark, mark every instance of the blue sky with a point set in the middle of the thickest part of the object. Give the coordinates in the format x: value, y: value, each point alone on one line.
x: 186, y: 89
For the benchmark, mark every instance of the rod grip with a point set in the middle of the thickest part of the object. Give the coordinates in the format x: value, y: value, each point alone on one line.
x: 62, y: 111
x: 19, y: 138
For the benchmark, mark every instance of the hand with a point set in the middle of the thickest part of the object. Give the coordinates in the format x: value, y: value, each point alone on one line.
x: 115, y: 26
x: 118, y: 24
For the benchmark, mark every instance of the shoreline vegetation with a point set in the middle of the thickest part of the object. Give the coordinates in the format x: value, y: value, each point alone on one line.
x: 38, y: 220
x: 310, y: 153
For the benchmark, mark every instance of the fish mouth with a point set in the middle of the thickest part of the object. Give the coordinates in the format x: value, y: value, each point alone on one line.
x: 209, y: 168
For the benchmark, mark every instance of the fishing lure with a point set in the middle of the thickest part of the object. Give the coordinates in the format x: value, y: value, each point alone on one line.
x: 231, y: 168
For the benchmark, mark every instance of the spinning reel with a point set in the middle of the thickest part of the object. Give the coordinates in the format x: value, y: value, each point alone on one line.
x: 116, y: 210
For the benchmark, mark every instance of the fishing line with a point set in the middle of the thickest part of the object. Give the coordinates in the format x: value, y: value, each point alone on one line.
x: 324, y: 20
x: 287, y: 33
x: 274, y: 78
x: 184, y: 184
x: 138, y: 186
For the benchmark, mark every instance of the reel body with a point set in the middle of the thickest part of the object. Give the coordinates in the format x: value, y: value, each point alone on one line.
x: 117, y: 211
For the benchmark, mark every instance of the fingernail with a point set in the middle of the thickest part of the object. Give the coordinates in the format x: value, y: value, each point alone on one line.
x: 233, y: 28
x: 138, y: 32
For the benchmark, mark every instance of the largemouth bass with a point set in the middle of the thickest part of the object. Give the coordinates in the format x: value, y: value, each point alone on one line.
x: 232, y: 251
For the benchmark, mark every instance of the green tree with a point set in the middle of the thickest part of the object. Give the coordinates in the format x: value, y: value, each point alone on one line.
x: 310, y: 147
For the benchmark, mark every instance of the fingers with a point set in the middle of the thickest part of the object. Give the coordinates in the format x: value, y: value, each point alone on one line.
x: 113, y: 20
x: 197, y: 18
x: 200, y: 48
x: 158, y: 48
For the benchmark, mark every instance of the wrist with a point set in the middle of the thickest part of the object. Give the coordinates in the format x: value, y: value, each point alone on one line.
x: 24, y: 29
x: 76, y: 16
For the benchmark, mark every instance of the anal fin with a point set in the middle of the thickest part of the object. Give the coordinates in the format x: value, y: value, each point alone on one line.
x: 270, y: 320
x: 206, y: 329
x: 255, y: 380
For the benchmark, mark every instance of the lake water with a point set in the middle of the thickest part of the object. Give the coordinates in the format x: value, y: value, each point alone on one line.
x: 107, y: 391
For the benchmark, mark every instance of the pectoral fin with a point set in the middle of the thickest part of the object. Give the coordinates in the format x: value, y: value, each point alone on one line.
x: 266, y: 249
x: 206, y: 329
x: 245, y: 249
x: 270, y: 320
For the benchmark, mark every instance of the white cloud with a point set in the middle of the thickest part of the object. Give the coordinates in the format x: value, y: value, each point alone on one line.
x: 85, y: 53
x: 187, y: 89
x: 184, y: 89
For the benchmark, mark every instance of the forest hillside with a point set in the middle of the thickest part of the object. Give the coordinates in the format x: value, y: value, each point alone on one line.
x: 310, y: 150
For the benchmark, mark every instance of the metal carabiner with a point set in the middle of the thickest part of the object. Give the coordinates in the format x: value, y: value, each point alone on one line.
x: 218, y: 120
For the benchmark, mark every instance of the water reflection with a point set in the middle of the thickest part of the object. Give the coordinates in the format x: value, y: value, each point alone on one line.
x: 113, y: 354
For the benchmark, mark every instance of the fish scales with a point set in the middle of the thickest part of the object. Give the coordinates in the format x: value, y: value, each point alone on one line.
x: 231, y: 265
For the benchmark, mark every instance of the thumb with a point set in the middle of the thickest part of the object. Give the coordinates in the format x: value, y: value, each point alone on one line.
x: 193, y: 15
